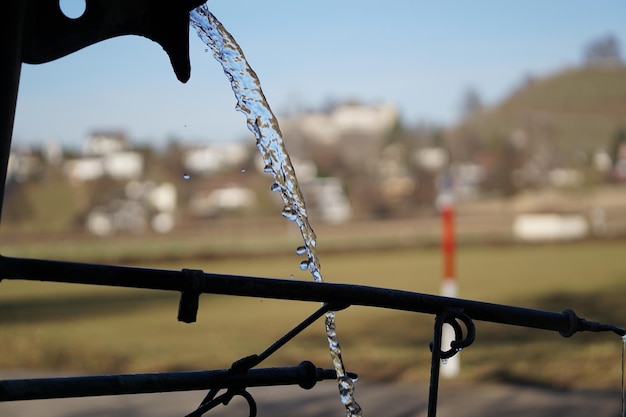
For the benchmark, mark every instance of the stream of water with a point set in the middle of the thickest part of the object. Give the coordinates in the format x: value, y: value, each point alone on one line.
x: 262, y: 122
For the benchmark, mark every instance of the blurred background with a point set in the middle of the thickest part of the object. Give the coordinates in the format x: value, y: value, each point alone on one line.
x: 516, y: 112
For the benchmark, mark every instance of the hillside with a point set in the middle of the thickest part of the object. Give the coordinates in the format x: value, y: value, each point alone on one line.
x: 575, y: 109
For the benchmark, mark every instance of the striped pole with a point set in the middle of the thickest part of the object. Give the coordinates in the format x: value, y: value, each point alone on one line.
x: 449, y: 287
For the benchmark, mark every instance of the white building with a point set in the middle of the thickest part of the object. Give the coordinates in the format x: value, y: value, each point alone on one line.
x: 226, y: 199
x: 105, y: 154
x: 84, y: 169
x: 327, y: 199
x: 348, y: 118
x: 126, y: 165
x: 215, y: 157
x: 104, y: 143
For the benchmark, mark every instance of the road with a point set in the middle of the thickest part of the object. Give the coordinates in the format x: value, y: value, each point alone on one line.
x: 380, y: 400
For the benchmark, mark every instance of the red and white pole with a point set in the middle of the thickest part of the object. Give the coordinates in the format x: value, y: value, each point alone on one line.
x: 449, y: 286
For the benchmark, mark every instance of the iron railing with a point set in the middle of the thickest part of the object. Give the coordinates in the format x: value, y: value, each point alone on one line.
x: 459, y: 313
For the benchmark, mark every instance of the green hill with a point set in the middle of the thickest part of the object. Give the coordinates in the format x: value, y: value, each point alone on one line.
x: 577, y: 109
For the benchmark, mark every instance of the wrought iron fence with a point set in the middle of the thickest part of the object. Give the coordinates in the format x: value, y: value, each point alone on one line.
x: 459, y: 313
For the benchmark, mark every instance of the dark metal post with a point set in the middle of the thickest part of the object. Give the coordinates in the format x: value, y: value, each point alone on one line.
x: 459, y: 342
x: 433, y: 388
x: 11, y: 25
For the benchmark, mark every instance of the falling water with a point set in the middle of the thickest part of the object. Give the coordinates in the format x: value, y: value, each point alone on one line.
x: 262, y: 122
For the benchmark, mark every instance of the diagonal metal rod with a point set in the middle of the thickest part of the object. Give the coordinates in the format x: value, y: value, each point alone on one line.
x: 566, y: 323
x: 305, y: 375
x: 251, y: 361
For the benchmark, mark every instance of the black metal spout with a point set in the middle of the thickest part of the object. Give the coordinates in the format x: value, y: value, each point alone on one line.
x: 48, y: 34
x: 37, y: 31
x: 11, y: 22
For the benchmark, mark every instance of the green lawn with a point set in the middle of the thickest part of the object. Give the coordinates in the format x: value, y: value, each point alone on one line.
x: 99, y: 329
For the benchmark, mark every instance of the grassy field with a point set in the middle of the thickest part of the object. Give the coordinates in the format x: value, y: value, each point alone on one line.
x: 98, y: 329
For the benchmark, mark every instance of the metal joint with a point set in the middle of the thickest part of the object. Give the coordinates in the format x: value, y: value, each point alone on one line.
x: 190, y: 295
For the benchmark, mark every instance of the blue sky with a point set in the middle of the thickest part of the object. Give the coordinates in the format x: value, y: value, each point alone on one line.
x: 420, y: 55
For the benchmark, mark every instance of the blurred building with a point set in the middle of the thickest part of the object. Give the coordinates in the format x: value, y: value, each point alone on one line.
x: 215, y: 157
x: 105, y: 154
x: 327, y: 200
x: 145, y: 205
x: 105, y: 142
x: 228, y: 199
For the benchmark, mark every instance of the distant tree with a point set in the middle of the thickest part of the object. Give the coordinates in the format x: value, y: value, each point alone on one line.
x: 471, y: 103
x: 604, y: 51
x: 500, y: 176
x: 18, y: 207
x: 618, y: 154
x: 618, y: 141
x: 396, y: 133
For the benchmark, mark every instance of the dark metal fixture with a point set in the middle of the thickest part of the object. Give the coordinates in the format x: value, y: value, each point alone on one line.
x: 37, y: 31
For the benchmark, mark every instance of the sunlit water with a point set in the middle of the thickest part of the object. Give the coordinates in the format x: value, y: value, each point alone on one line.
x: 262, y: 122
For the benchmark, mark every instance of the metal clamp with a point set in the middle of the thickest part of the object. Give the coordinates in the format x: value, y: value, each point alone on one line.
x: 190, y: 296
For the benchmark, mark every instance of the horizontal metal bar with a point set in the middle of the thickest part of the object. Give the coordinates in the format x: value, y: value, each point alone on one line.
x: 566, y: 323
x: 305, y: 375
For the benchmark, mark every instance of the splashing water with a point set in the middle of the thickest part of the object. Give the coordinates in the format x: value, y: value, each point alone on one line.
x: 262, y: 122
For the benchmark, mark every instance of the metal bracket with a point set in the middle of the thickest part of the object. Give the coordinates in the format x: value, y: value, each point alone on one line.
x: 190, y: 296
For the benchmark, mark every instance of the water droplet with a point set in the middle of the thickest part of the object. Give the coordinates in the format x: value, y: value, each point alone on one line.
x: 304, y: 265
x: 346, y: 389
x: 316, y: 275
x: 289, y: 214
x: 301, y: 250
x: 206, y: 49
x: 275, y: 187
x: 186, y: 176
x: 444, y: 361
x: 268, y: 169
x: 243, y: 171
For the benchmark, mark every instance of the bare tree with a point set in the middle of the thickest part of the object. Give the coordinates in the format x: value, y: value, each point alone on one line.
x: 471, y: 103
x: 604, y: 51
